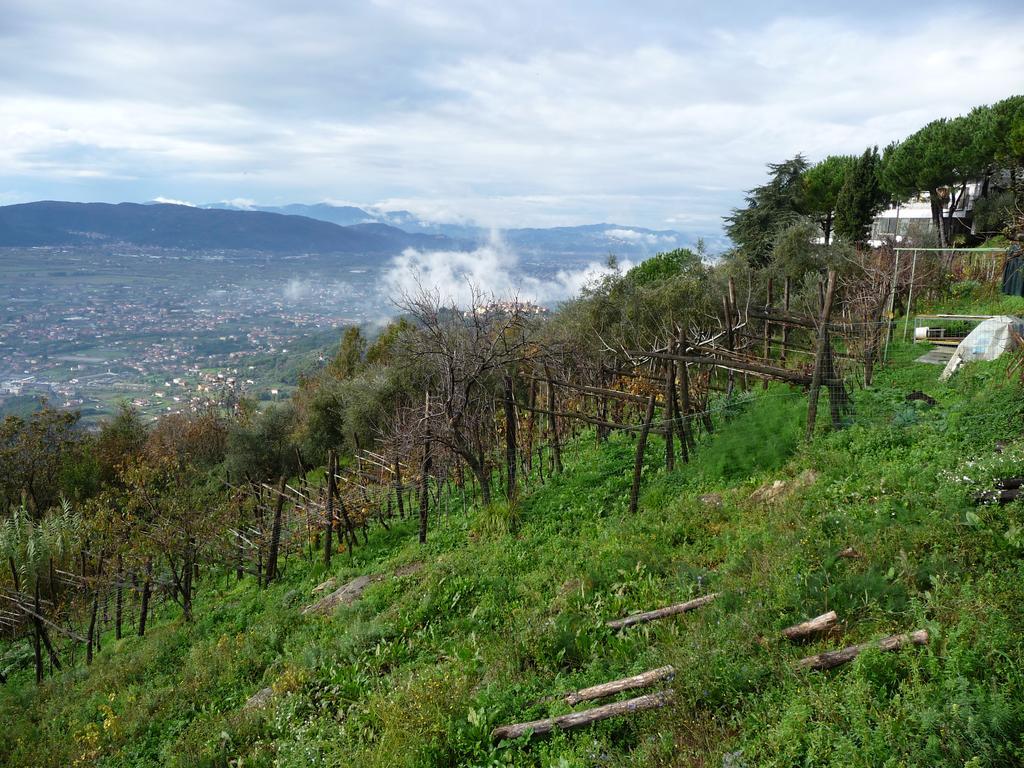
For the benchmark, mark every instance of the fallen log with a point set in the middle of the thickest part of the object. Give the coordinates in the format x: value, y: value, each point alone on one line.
x: 814, y: 626
x: 831, y: 659
x: 661, y: 613
x: 1010, y: 483
x: 586, y: 717
x: 618, y: 686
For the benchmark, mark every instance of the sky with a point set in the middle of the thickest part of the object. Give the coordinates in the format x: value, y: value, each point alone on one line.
x: 656, y: 114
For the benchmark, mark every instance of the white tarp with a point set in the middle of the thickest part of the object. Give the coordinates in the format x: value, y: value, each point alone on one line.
x: 986, y: 342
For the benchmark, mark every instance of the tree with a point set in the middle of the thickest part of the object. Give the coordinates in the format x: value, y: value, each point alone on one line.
x: 349, y: 359
x: 382, y: 349
x: 264, y: 449
x: 663, y: 266
x: 822, y: 184
x: 940, y: 159
x: 120, y: 438
x: 467, y: 354
x: 860, y: 198
x: 770, y: 208
x: 1008, y: 137
x: 34, y: 454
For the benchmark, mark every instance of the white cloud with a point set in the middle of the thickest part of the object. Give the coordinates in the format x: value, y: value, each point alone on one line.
x: 633, y: 236
x: 241, y: 203
x: 493, y: 267
x: 172, y: 201
x: 297, y: 289
x: 461, y: 109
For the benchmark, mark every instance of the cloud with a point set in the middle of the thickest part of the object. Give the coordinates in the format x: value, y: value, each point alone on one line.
x: 636, y: 114
x: 172, y: 201
x: 241, y: 203
x: 297, y: 289
x: 632, y: 236
x: 493, y: 268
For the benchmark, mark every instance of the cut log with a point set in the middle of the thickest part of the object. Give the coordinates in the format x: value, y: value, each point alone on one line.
x: 586, y: 717
x: 661, y: 613
x: 831, y: 659
x: 618, y: 686
x: 814, y: 626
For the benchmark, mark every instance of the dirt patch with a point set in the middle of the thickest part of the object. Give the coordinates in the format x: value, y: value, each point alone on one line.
x: 713, y: 500
x: 405, y: 570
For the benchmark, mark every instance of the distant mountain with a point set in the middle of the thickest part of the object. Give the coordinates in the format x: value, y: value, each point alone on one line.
x: 342, y: 215
x: 597, y: 240
x: 179, y: 226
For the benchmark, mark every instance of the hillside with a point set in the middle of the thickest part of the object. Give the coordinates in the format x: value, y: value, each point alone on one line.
x: 596, y: 240
x: 503, y: 610
x: 179, y: 226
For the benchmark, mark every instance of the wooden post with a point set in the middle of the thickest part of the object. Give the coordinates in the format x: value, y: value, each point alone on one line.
x: 638, y: 463
x: 556, y: 448
x: 768, y: 330
x: 669, y: 411
x: 531, y: 418
x: 510, y: 439
x: 425, y: 474
x: 820, y: 354
x: 892, y: 304
x: 730, y: 342
x: 785, y: 327
x: 119, y: 600
x: 332, y: 463
x: 275, y: 533
x: 144, y: 602
x: 684, y: 391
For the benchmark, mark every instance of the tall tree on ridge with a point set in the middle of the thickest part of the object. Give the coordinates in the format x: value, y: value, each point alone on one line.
x: 770, y: 209
x: 860, y: 198
x: 822, y: 184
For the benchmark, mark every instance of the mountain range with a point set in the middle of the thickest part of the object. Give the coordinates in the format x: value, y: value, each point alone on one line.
x: 297, y: 228
x: 587, y: 239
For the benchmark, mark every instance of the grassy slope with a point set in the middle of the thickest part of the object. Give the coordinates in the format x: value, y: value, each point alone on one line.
x: 420, y: 670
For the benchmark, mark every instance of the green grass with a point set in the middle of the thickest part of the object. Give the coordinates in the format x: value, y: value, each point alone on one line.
x: 508, y: 610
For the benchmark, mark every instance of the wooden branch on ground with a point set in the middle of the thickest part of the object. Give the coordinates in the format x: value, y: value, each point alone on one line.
x: 586, y: 717
x: 618, y: 686
x: 831, y: 659
x: 814, y: 626
x: 661, y: 613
